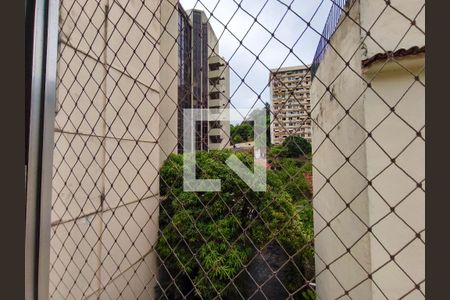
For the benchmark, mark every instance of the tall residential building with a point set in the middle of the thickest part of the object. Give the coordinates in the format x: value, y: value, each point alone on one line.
x: 203, y: 80
x: 184, y: 70
x: 290, y: 103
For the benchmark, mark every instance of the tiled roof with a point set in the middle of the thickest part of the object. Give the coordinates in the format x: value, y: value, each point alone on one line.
x: 390, y: 54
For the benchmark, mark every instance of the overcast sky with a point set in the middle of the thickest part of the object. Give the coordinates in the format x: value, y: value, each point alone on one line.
x: 241, y: 26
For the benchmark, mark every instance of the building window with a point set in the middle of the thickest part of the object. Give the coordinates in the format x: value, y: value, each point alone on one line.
x: 215, y: 124
x: 215, y: 139
x: 214, y: 95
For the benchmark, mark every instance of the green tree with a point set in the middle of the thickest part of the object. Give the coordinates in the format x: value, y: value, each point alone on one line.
x: 237, y: 139
x: 242, y: 132
x: 297, y: 146
x: 291, y: 172
x: 207, y: 237
x: 276, y: 152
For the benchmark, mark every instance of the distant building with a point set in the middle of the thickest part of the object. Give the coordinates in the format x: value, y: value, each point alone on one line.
x: 203, y: 80
x: 290, y: 103
x: 244, y: 146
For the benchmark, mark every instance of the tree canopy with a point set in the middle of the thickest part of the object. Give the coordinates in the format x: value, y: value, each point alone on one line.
x: 296, y: 146
x: 244, y: 132
x: 207, y: 237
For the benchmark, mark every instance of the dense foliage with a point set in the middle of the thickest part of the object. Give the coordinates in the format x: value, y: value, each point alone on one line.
x: 208, y: 237
x: 244, y: 132
x: 296, y: 146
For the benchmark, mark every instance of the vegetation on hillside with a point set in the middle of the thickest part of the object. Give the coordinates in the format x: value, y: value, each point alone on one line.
x: 207, y: 237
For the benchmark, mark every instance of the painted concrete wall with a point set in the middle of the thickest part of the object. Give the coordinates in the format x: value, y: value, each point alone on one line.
x: 168, y: 105
x: 110, y: 119
x: 336, y: 227
x: 391, y: 26
x: 346, y: 206
x: 394, y: 185
x: 226, y: 102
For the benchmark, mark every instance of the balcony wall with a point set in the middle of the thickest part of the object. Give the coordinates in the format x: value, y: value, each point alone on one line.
x: 343, y: 199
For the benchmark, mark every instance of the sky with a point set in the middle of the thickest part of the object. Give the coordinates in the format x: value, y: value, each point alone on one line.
x: 274, y: 17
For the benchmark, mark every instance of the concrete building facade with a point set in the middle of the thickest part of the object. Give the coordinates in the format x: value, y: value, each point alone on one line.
x: 219, y: 98
x: 185, y: 71
x: 290, y: 103
x: 205, y: 82
x: 114, y: 126
x: 368, y: 133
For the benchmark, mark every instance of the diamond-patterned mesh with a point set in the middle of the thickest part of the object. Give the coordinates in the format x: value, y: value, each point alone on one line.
x: 343, y: 214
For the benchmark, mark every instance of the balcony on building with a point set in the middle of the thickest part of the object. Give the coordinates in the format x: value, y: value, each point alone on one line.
x: 215, y: 139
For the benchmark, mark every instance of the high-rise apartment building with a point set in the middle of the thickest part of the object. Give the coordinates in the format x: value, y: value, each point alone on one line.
x: 184, y: 70
x: 290, y: 103
x: 203, y: 80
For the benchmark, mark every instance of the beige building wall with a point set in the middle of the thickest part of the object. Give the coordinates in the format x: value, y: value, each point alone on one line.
x: 220, y: 89
x: 391, y: 26
x: 392, y: 207
x: 112, y: 118
x: 396, y: 186
x: 168, y: 106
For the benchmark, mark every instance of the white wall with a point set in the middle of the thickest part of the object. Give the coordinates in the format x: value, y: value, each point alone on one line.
x: 168, y: 105
x: 337, y: 225
x: 346, y: 229
x: 395, y: 184
x: 390, y: 26
x: 225, y: 99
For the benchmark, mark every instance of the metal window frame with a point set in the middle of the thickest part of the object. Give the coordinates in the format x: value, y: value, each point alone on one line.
x: 40, y: 145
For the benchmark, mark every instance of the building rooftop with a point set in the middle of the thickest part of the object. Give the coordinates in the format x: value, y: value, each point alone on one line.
x: 293, y: 68
x: 386, y: 55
